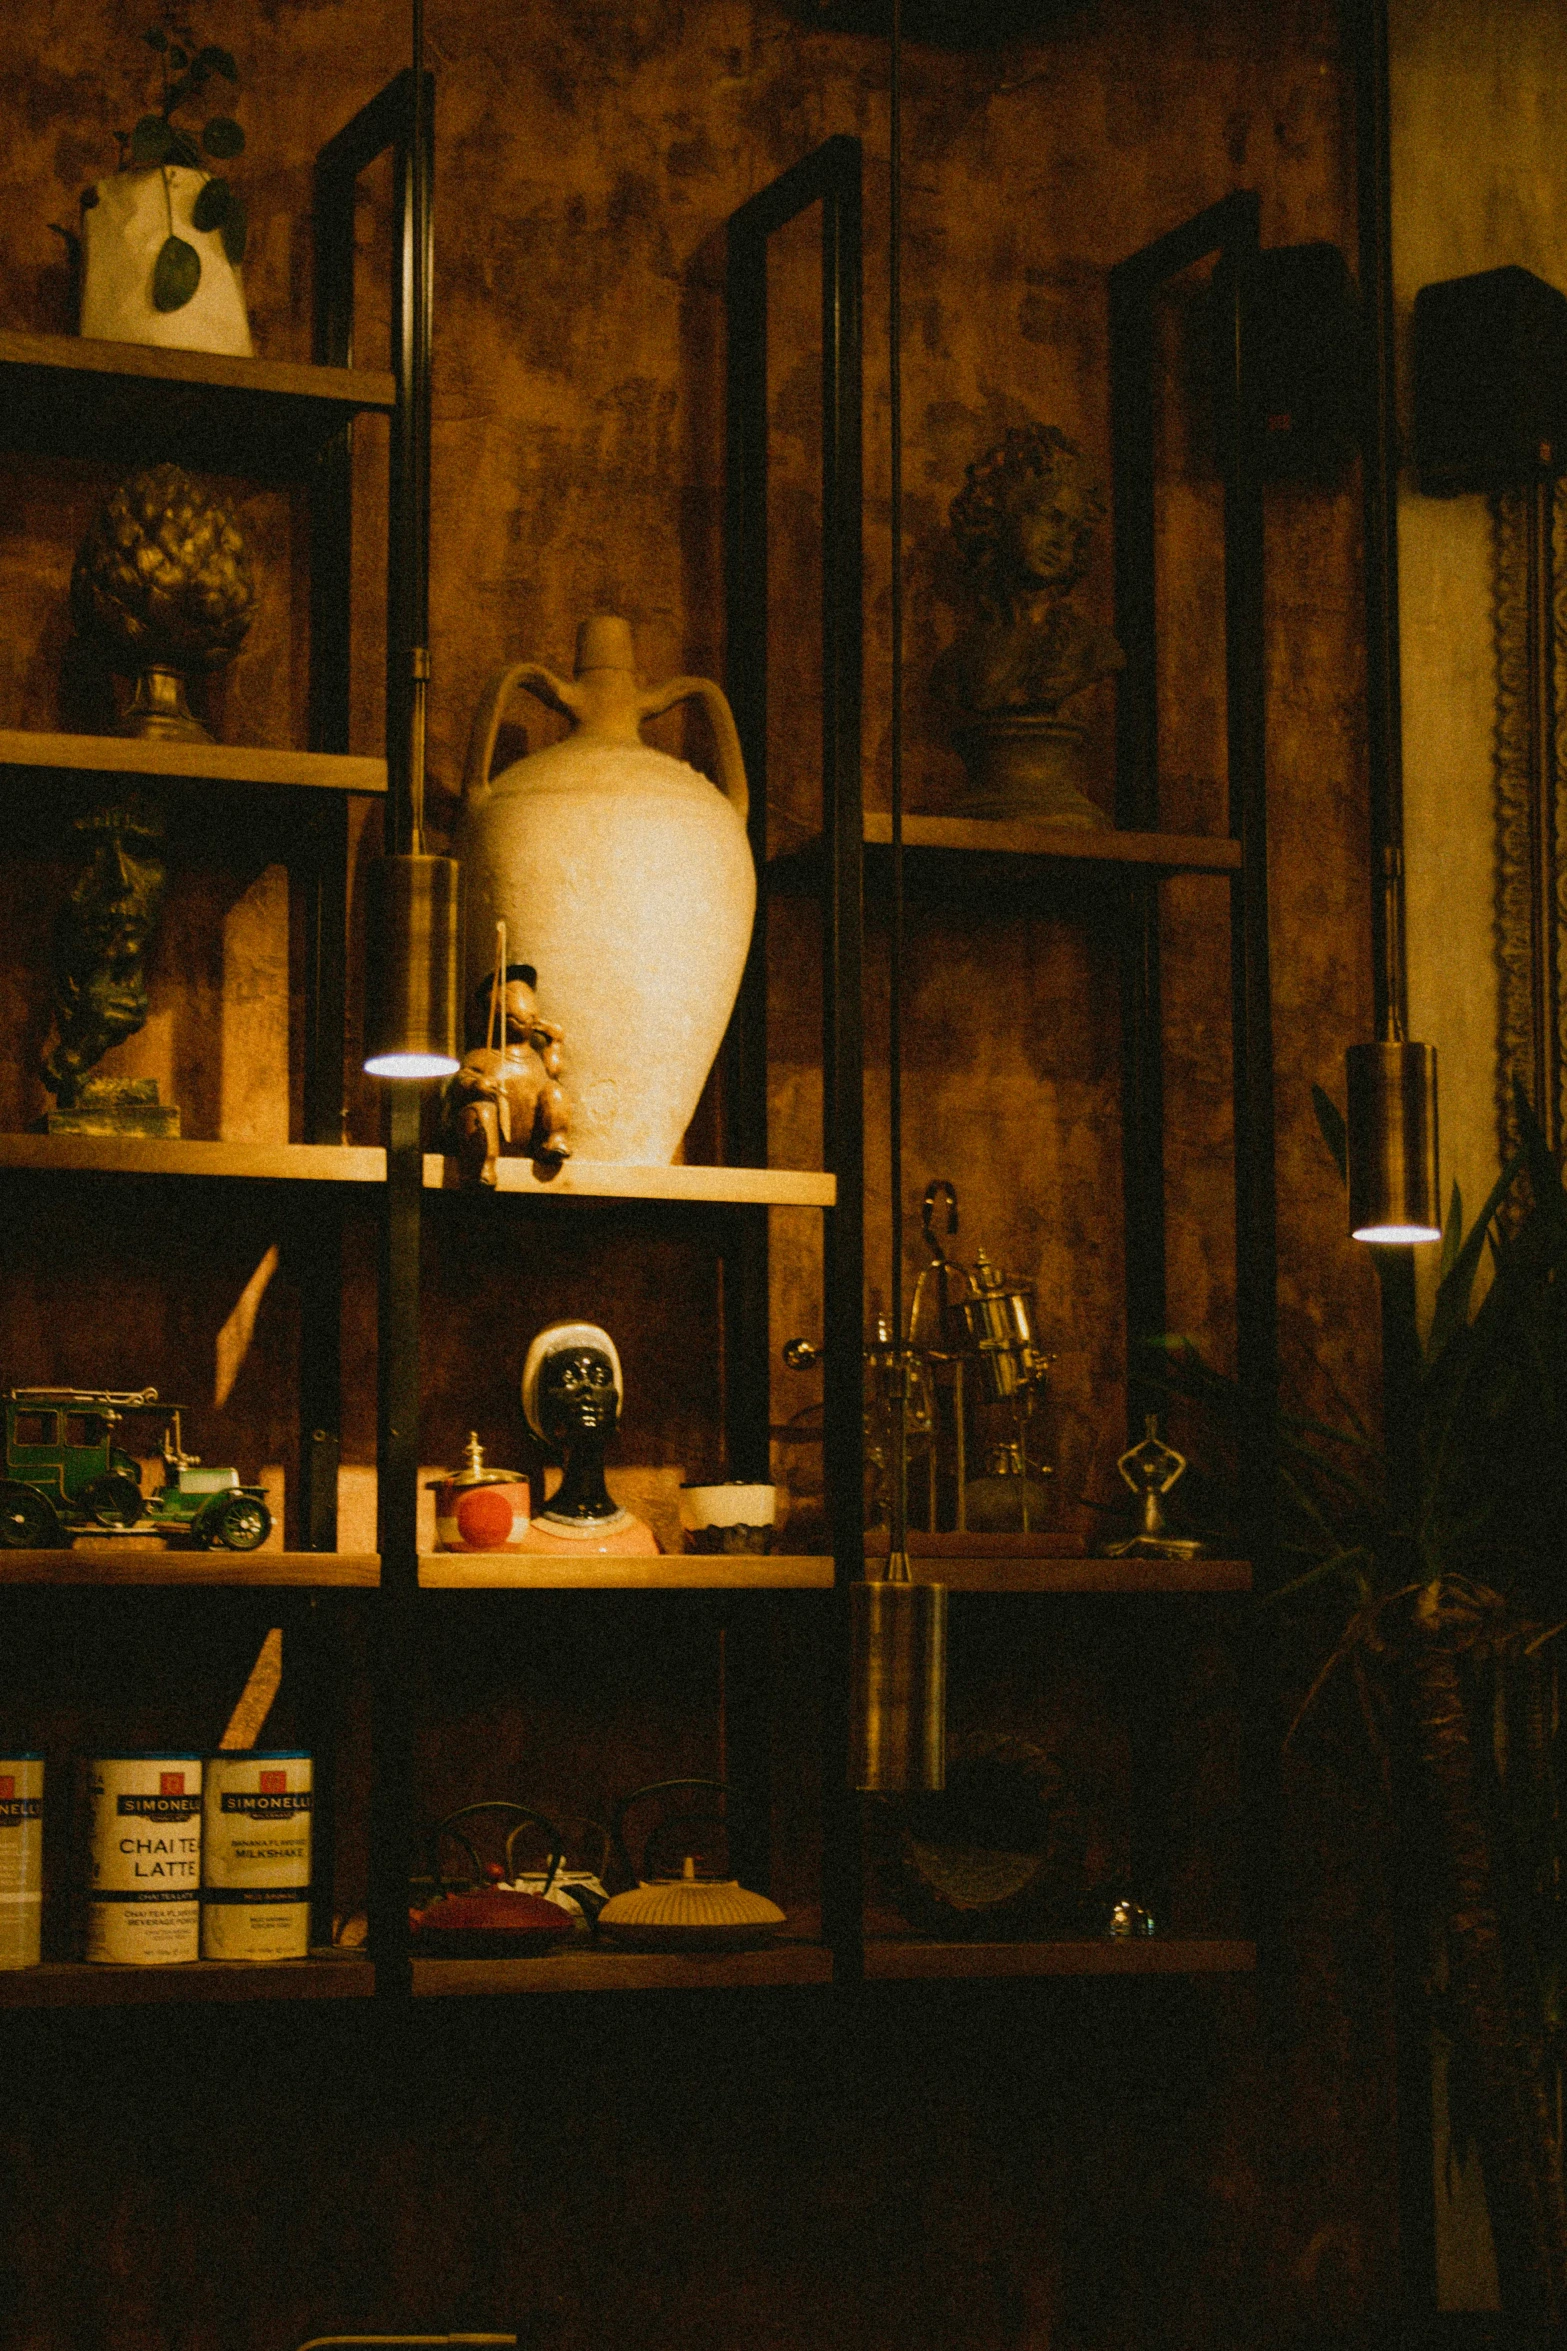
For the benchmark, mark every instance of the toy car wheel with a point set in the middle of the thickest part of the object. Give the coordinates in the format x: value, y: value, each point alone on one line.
x: 125, y: 1465
x: 28, y: 1520
x: 112, y: 1501
x: 240, y: 1524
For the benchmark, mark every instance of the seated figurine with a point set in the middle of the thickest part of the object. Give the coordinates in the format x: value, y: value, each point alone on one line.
x: 571, y: 1393
x: 507, y: 1092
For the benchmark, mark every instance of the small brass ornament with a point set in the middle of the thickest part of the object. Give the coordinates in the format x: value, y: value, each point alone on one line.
x: 1150, y: 1469
x: 162, y: 590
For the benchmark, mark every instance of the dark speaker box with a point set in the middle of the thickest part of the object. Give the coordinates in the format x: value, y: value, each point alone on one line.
x: 1301, y: 362
x: 1490, y: 381
x: 1304, y: 354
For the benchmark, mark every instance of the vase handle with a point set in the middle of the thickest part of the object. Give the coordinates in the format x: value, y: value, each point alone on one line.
x: 556, y: 693
x: 726, y: 736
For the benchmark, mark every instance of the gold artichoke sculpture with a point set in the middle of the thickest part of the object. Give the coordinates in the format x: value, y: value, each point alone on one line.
x: 162, y: 588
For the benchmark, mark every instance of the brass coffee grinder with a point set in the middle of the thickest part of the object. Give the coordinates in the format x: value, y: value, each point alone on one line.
x: 977, y: 1329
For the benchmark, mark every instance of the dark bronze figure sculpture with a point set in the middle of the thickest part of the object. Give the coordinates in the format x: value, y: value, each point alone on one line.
x: 507, y: 1091
x: 1024, y: 523
x: 100, y: 951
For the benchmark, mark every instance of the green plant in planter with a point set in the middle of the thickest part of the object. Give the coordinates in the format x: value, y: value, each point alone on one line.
x: 158, y: 139
x: 1446, y: 1555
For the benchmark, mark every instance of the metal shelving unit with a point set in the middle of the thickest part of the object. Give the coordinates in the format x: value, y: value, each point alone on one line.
x: 303, y: 418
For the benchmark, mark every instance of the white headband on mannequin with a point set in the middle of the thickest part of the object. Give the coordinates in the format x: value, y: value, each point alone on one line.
x: 561, y: 1335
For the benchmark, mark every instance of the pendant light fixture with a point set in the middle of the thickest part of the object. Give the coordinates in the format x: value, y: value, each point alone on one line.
x: 414, y: 928
x: 898, y: 1649
x: 414, y: 905
x: 1391, y: 1129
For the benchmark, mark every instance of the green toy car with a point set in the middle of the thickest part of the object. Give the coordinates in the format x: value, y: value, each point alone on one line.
x: 64, y: 1476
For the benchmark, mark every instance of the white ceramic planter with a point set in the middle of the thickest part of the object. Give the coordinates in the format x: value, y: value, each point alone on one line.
x: 625, y: 878
x: 122, y: 236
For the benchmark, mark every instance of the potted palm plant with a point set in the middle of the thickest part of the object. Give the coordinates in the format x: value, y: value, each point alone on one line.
x: 163, y: 236
x: 1444, y: 1556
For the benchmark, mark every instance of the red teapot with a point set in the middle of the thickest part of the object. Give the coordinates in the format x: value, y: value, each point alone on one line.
x: 487, y: 1918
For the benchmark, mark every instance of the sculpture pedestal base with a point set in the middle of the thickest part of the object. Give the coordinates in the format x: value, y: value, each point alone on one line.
x: 1023, y: 764
x: 117, y: 1106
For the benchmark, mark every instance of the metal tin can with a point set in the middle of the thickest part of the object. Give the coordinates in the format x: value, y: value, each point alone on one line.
x: 144, y: 1867
x: 481, y: 1509
x: 21, y: 1858
x: 255, y: 1855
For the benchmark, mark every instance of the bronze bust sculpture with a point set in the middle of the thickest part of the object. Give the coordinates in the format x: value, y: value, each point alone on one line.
x: 1023, y: 524
x: 101, y: 941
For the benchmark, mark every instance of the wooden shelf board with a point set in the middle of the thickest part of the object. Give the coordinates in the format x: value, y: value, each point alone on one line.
x: 1010, y: 837
x: 1006, y: 838
x: 142, y: 1155
x: 112, y: 403
x: 600, y: 1179
x: 894, y: 1960
x: 77, y: 1984
x: 604, y: 1970
x: 607, y: 1179
x: 136, y: 1564
x: 350, y: 388
x: 202, y: 763
x: 689, y: 1571
x: 989, y: 1574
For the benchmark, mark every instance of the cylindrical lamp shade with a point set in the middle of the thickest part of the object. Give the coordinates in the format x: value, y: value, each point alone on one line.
x: 898, y: 1701
x: 415, y: 967
x: 1392, y: 1143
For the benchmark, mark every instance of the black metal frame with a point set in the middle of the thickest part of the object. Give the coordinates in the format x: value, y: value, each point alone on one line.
x: 400, y: 120
x: 831, y: 177
x: 1228, y: 229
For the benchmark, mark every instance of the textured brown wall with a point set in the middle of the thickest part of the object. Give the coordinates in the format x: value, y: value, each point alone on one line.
x: 1053, y: 2167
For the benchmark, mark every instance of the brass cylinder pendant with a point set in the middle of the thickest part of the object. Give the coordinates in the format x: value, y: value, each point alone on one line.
x: 1392, y: 1141
x: 898, y: 1701
x: 411, y: 1025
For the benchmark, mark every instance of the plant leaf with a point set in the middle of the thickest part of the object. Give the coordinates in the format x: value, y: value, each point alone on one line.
x: 1452, y: 1233
x: 177, y: 58
x: 1453, y: 1293
x: 156, y: 38
x: 176, y: 274
x: 236, y: 226
x: 211, y: 208
x: 217, y: 60
x: 223, y: 137
x: 1331, y: 1120
x: 182, y: 149
x: 151, y: 140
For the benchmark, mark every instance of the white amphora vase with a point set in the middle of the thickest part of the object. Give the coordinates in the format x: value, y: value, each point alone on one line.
x: 625, y: 879
x: 123, y: 232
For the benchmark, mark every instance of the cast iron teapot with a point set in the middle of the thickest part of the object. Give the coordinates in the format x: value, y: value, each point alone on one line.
x: 679, y: 1910
x: 488, y: 1919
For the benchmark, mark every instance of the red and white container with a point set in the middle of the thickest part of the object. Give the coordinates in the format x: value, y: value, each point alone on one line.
x: 144, y: 1859
x: 255, y: 1855
x: 480, y: 1509
x: 21, y: 1858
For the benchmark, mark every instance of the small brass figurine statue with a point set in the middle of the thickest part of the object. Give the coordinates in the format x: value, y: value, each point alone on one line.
x: 507, y: 1090
x: 1024, y: 522
x: 1150, y: 1469
x: 100, y: 973
x: 571, y: 1394
x: 162, y: 589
